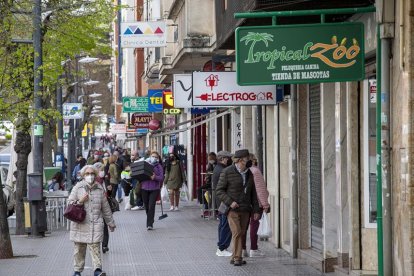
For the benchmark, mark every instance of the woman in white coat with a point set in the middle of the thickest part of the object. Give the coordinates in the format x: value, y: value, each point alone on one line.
x: 89, y: 233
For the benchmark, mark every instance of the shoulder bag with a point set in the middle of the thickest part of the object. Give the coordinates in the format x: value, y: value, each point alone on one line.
x: 75, y: 213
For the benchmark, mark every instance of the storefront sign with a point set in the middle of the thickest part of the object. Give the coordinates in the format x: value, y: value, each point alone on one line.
x: 134, y: 104
x: 143, y: 34
x: 72, y: 111
x: 300, y: 53
x: 117, y: 128
x: 140, y: 120
x: 221, y: 89
x: 155, y: 100
x: 182, y: 90
x: 168, y: 103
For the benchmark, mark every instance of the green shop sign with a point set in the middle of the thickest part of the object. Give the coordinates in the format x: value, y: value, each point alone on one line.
x: 300, y: 53
x: 134, y: 104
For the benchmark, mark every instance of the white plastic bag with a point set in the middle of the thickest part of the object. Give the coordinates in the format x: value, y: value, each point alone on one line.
x: 164, y: 193
x: 184, y: 195
x: 264, y: 231
x: 127, y: 204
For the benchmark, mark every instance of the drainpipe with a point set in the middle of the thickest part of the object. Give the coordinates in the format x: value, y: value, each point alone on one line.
x: 294, y: 164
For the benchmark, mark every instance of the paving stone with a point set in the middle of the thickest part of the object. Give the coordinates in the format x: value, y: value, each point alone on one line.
x: 181, y: 244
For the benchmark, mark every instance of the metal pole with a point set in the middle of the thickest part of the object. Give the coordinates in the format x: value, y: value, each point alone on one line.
x: 59, y: 106
x: 294, y: 159
x: 304, y: 12
x: 379, y: 160
x: 38, y: 126
x: 385, y: 152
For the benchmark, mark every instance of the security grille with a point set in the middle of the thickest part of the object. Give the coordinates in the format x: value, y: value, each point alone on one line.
x: 315, y: 166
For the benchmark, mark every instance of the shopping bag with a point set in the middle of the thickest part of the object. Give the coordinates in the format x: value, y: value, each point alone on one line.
x: 164, y: 193
x: 264, y: 231
x: 184, y: 195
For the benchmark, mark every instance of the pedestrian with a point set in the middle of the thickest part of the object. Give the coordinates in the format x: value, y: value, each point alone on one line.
x: 136, y: 195
x: 120, y: 165
x: 150, y: 189
x: 212, y: 162
x: 76, y: 177
x: 126, y: 184
x: 89, y: 233
x: 114, y: 177
x: 224, y: 233
x: 262, y: 197
x: 236, y: 189
x: 56, y: 183
x: 174, y: 180
x: 107, y: 190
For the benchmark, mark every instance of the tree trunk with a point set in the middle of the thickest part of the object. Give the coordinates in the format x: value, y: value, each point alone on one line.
x: 22, y: 147
x: 6, y: 250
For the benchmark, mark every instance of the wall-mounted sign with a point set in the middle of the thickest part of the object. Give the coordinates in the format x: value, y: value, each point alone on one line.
x: 155, y: 100
x: 168, y: 103
x: 300, y: 53
x: 72, y: 111
x: 117, y: 128
x: 134, y: 104
x: 221, y: 89
x: 182, y: 90
x: 143, y: 34
x: 140, y: 120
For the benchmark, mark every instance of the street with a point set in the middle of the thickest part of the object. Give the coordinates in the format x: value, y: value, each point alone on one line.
x: 181, y: 244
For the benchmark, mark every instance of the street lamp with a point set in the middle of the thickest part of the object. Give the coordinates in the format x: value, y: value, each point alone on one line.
x: 88, y: 59
x: 94, y: 95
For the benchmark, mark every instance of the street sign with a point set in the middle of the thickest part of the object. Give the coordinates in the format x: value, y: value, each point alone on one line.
x: 134, y: 104
x: 311, y: 53
x: 72, y: 111
x: 221, y: 89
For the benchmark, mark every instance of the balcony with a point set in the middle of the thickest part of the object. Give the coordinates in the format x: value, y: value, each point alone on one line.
x: 226, y: 23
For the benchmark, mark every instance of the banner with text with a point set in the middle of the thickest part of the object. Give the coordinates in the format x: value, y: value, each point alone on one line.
x: 300, y: 53
x: 143, y: 34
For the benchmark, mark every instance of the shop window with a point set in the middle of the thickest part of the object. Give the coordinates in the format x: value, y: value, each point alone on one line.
x: 370, y: 161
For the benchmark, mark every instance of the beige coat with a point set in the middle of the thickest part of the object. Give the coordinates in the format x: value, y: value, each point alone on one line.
x: 97, y: 208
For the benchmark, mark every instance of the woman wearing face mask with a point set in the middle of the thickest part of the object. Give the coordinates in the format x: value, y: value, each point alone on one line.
x: 174, y: 180
x: 89, y: 233
x: 150, y: 189
x: 212, y: 162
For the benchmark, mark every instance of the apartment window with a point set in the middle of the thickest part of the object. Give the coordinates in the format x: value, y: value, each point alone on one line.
x: 370, y: 154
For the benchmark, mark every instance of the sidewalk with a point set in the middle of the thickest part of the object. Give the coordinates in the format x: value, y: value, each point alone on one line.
x: 181, y: 244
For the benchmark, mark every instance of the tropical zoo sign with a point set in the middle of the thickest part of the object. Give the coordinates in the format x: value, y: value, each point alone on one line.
x: 300, y: 53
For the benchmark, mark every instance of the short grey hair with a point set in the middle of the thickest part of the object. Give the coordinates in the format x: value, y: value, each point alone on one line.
x: 82, y: 172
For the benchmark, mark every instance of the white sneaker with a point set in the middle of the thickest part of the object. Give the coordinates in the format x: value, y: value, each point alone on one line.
x: 176, y: 208
x: 135, y: 208
x: 223, y: 253
x: 244, y: 253
x: 172, y: 208
x: 256, y: 253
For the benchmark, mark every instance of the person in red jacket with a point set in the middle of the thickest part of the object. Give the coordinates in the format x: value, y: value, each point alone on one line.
x: 262, y: 197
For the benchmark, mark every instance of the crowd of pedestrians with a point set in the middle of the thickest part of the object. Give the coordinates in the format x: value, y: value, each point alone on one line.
x: 104, y: 177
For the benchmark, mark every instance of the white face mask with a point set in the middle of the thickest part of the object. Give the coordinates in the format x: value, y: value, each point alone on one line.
x: 101, y: 174
x: 89, y: 178
x: 153, y: 160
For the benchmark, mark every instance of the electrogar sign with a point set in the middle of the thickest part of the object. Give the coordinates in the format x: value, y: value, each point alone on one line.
x: 300, y: 53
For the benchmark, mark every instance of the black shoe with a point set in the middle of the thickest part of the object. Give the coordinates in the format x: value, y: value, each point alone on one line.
x: 99, y: 272
x: 238, y: 262
x: 105, y: 249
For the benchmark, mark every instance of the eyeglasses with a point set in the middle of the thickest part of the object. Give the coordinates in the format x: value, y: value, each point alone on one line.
x: 89, y: 173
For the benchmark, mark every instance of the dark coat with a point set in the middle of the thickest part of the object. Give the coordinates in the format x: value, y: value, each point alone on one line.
x: 230, y: 188
x: 215, y: 179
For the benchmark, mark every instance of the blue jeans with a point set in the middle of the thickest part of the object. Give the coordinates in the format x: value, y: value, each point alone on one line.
x: 224, y: 233
x: 119, y: 191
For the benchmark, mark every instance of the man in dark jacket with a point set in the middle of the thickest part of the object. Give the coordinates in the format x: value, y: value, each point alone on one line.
x: 224, y: 233
x: 237, y: 190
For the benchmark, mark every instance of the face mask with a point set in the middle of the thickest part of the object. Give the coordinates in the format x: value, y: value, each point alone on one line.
x: 90, y: 179
x: 211, y: 162
x: 249, y: 163
x: 153, y: 160
x: 101, y: 174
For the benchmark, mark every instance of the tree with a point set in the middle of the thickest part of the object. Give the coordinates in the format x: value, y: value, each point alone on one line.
x: 70, y: 28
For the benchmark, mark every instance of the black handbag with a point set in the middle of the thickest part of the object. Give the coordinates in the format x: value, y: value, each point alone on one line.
x: 75, y: 213
x: 113, y: 203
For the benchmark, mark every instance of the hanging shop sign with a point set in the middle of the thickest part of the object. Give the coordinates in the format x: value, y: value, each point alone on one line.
x: 168, y: 103
x: 140, y: 120
x: 117, y: 128
x: 182, y: 90
x: 221, y: 89
x: 72, y: 111
x: 134, y: 104
x: 300, y: 53
x: 143, y: 34
x: 155, y: 100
